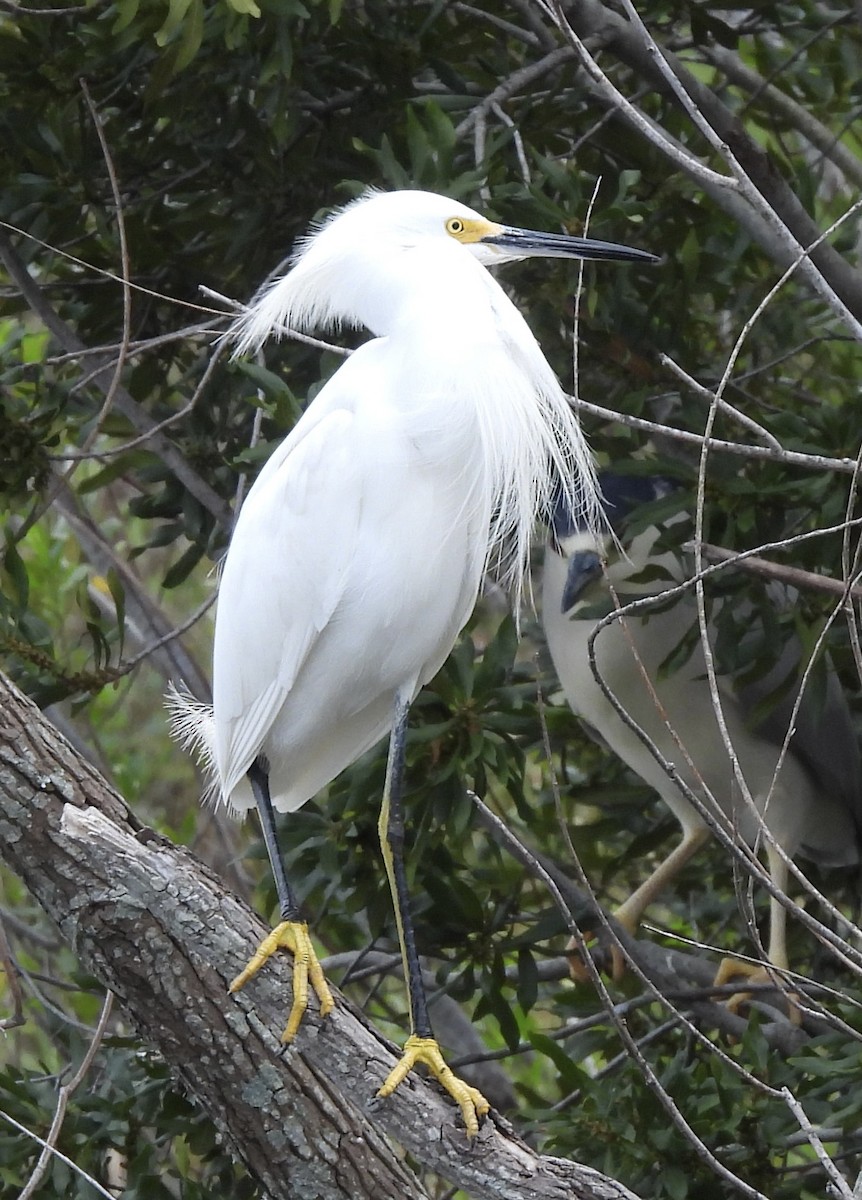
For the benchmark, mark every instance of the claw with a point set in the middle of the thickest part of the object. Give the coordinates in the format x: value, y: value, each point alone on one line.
x: 731, y: 968
x: 292, y: 936
x: 417, y: 1050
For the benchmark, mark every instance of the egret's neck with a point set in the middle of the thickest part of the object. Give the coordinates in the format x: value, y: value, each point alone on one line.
x: 439, y: 287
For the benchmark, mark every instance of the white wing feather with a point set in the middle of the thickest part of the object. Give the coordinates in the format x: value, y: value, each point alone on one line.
x: 277, y: 590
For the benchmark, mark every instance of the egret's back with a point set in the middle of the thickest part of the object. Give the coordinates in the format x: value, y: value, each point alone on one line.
x: 359, y: 552
x: 350, y: 556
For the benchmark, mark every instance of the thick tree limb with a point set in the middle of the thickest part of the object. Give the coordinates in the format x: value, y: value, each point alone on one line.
x: 158, y: 929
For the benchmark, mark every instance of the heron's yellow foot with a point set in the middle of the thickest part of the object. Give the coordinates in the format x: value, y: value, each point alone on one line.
x: 577, y: 968
x: 730, y: 969
x: 292, y: 936
x: 417, y: 1050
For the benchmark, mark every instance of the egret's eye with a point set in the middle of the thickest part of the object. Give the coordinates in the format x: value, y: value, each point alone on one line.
x: 455, y: 226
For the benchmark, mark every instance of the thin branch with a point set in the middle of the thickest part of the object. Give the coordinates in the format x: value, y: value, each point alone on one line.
x: 721, y: 830
x: 698, y: 389
x: 650, y: 130
x: 507, y: 837
x: 142, y: 439
x: 839, y: 1183
x: 236, y: 307
x: 515, y: 82
x: 810, y: 462
x: 125, y: 402
x: 7, y: 963
x: 799, y: 255
x: 767, y: 569
x: 110, y: 393
x: 57, y: 1154
x: 768, y: 218
x: 49, y: 1146
x: 125, y: 268
x: 105, y: 274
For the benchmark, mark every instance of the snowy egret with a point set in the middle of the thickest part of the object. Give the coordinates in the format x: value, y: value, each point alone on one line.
x: 812, y: 804
x: 359, y: 552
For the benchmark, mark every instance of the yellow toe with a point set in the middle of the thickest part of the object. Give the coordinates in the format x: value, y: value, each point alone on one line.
x: 292, y: 936
x: 730, y: 969
x: 426, y: 1051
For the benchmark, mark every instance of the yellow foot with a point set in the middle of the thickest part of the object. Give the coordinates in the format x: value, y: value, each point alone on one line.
x: 292, y: 936
x: 577, y: 967
x: 730, y: 969
x: 417, y: 1050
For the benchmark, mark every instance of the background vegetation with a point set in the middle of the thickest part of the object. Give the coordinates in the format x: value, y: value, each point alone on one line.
x: 149, y: 151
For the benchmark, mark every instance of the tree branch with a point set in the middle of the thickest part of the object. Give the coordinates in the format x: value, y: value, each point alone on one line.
x: 771, y: 201
x: 159, y: 930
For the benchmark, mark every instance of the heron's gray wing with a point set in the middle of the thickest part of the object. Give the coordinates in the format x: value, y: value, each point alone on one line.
x: 824, y: 739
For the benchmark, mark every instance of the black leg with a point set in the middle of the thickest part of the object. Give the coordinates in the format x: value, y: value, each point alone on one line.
x: 292, y: 933
x: 421, y: 1046
x: 259, y: 778
x: 391, y: 830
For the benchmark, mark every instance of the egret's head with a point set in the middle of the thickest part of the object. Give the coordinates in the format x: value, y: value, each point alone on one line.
x: 411, y: 218
x: 359, y: 250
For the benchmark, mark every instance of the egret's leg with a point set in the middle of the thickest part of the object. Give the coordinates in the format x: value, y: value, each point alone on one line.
x: 292, y: 932
x: 421, y: 1046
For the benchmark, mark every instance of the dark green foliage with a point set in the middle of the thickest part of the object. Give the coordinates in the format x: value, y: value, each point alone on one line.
x: 231, y: 125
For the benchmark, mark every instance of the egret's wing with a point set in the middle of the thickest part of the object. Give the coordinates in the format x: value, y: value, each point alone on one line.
x: 283, y: 578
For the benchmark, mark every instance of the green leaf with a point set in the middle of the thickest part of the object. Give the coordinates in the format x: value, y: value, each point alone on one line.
x: 126, y: 11
x: 244, y: 7
x: 192, y: 35
x: 177, y: 10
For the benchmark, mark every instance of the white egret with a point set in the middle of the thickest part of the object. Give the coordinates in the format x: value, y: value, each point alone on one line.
x: 359, y: 552
x: 810, y: 799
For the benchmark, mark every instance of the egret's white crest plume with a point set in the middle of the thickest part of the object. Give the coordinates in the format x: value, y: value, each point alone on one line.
x: 359, y: 552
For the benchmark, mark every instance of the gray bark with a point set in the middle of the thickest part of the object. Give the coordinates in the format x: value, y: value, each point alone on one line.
x: 158, y: 929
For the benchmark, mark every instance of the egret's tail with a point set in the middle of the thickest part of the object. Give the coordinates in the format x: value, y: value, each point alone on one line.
x: 192, y: 725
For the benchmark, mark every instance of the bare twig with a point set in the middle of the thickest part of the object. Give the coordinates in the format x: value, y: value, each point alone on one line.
x: 105, y: 274
x: 514, y: 83
x: 235, y: 308
x: 124, y: 401
x: 767, y: 569
x: 737, y: 192
x: 11, y: 972
x: 741, y: 418
x: 508, y: 838
x: 49, y: 1146
x: 724, y: 833
x: 114, y: 451
x: 839, y: 1183
x: 795, y: 458
x: 57, y: 1154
